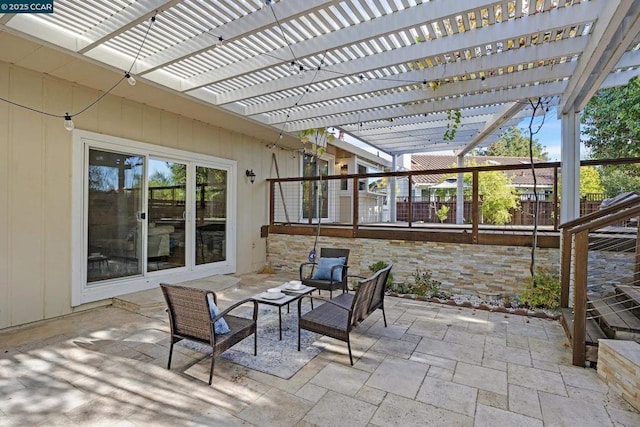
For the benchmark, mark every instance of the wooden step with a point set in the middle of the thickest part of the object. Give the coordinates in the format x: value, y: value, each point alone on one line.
x: 629, y: 292
x: 608, y: 313
x: 594, y: 333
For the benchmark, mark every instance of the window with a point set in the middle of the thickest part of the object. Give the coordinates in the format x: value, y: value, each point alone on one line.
x: 344, y: 183
x: 372, y: 185
x: 362, y: 184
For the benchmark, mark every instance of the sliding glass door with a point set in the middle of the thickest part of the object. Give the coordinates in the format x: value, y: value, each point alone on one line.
x: 115, y: 215
x: 143, y: 214
x: 211, y: 215
x: 167, y: 204
x: 179, y: 222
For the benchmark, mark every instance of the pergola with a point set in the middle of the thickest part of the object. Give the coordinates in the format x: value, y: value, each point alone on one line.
x: 391, y: 73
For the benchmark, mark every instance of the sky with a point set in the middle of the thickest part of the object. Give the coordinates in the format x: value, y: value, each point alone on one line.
x: 550, y: 134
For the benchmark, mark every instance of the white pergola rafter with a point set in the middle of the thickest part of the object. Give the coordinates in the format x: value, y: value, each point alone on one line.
x: 457, y: 89
x: 545, y: 52
x: 497, y: 121
x: 467, y: 124
x: 231, y: 31
x: 489, y: 98
x: 386, y: 24
x: 6, y: 17
x: 561, y: 50
x: 122, y: 21
x: 467, y: 40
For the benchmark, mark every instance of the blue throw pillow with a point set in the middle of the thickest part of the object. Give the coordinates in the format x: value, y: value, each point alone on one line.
x: 220, y: 326
x: 323, y: 269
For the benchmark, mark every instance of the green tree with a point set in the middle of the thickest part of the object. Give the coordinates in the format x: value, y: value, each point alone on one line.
x: 590, y: 182
x: 316, y: 140
x: 611, y: 122
x: 618, y: 180
x: 611, y: 125
x: 159, y: 179
x: 498, y: 195
x: 513, y: 143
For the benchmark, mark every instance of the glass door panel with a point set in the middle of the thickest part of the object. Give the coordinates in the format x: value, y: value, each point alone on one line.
x: 211, y: 215
x: 315, y: 199
x: 166, y: 204
x: 114, y: 215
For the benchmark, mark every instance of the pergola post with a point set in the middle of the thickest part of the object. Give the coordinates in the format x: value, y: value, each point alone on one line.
x: 392, y: 202
x: 460, y: 193
x: 570, y: 158
x: 569, y: 201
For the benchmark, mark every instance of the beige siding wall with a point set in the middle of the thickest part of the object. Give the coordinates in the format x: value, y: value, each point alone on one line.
x: 35, y: 183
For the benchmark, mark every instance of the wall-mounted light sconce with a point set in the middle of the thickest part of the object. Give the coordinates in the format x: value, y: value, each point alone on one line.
x: 251, y: 175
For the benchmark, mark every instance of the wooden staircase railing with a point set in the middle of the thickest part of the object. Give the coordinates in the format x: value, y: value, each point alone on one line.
x: 574, y: 263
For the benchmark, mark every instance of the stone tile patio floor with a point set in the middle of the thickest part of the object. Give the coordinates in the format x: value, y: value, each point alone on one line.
x: 433, y: 365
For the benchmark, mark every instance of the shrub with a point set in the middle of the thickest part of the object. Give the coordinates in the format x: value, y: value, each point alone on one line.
x: 542, y: 290
x: 442, y: 213
x: 379, y: 266
x: 425, y: 285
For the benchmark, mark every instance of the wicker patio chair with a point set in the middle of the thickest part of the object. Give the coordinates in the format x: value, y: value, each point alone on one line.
x: 190, y: 318
x: 336, y: 318
x: 329, y: 282
x: 377, y: 297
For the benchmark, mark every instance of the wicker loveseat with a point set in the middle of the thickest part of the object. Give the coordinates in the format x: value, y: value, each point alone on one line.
x: 336, y: 317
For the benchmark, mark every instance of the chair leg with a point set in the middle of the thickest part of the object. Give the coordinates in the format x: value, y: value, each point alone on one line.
x: 383, y: 316
x: 170, y: 353
x: 255, y: 343
x: 213, y: 361
x: 298, y: 334
x: 349, y: 347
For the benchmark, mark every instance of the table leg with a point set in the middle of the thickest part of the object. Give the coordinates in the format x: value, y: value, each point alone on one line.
x: 280, y: 321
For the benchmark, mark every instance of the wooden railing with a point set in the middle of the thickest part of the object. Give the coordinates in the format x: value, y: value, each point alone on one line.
x: 289, y: 213
x: 574, y: 263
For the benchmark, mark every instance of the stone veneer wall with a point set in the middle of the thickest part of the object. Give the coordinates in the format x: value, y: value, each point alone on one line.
x: 462, y: 269
x: 619, y: 367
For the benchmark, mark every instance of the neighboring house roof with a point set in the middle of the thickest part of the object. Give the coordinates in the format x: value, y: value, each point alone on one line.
x: 519, y: 178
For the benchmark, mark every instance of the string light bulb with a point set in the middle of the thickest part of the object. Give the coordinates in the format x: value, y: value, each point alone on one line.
x: 220, y: 41
x: 301, y: 75
x: 68, y: 123
x: 267, y: 2
x: 361, y: 79
x: 292, y: 67
x: 130, y: 78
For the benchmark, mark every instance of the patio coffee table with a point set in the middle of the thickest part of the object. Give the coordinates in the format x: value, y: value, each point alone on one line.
x: 290, y: 295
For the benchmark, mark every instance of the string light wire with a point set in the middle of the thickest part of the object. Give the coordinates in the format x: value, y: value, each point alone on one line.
x: 68, y: 116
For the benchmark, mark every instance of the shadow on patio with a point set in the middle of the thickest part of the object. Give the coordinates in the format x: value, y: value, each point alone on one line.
x: 433, y: 365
